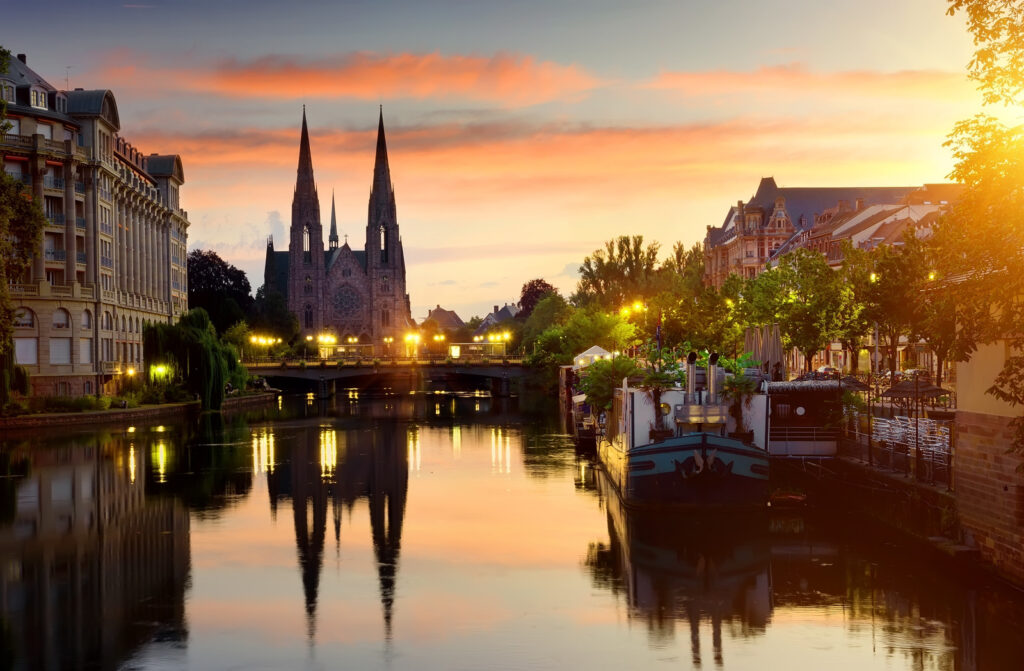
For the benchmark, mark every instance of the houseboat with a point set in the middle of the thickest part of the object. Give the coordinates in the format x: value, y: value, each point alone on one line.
x: 688, y: 451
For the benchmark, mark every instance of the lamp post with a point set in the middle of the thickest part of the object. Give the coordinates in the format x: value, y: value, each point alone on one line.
x: 387, y: 344
x: 305, y: 351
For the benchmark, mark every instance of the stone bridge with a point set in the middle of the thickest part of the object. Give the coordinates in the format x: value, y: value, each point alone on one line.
x: 392, y: 371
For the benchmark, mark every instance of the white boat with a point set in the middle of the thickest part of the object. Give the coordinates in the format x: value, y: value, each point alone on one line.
x: 695, y: 456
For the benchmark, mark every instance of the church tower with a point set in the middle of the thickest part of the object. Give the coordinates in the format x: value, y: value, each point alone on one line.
x: 385, y: 260
x: 306, y: 245
x: 332, y: 239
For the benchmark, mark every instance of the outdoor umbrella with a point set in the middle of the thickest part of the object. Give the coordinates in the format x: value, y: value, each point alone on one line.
x: 910, y: 389
x: 853, y: 384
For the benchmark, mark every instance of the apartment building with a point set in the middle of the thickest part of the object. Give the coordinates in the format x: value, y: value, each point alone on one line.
x: 112, y: 254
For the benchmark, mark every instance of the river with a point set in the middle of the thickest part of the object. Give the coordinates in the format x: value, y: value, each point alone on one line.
x: 440, y: 531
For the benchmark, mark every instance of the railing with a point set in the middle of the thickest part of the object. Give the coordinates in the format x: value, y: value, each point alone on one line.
x: 79, y: 187
x: 111, y: 367
x: 88, y: 291
x: 383, y: 360
x: 55, y: 219
x: 107, y: 229
x: 108, y: 296
x: 80, y: 222
x: 53, y: 182
x: 104, y: 193
x: 802, y: 434
x: 24, y: 289
x: 106, y: 262
x: 62, y: 290
x: 80, y: 257
x: 55, y: 255
x: 56, y: 146
x: 16, y: 141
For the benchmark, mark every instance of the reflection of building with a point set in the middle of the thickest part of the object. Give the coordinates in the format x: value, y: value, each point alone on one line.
x: 88, y: 558
x: 112, y: 256
x: 688, y: 570
x: 335, y: 469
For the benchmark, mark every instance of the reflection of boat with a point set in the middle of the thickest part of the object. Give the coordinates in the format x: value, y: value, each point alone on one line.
x: 584, y: 426
x: 690, y: 569
x: 692, y: 463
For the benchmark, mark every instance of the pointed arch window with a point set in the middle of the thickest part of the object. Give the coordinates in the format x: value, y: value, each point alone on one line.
x: 385, y: 284
x: 383, y: 245
x: 308, y: 285
x: 307, y: 254
x: 308, y: 316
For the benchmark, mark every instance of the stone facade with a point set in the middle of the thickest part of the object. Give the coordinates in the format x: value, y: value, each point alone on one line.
x: 112, y: 255
x: 351, y: 294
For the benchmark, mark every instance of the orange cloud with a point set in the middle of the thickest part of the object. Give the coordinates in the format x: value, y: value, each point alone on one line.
x: 507, y: 79
x: 795, y: 78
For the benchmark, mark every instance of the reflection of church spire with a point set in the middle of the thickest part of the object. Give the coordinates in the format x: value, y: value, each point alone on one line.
x: 388, y: 488
x: 307, y: 490
x: 332, y: 239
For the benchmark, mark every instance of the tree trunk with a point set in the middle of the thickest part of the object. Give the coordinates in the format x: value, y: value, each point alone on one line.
x: 939, y: 361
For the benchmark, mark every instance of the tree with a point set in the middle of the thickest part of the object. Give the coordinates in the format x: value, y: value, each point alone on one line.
x: 551, y: 310
x: 533, y: 291
x: 269, y: 315
x: 894, y: 294
x: 218, y: 287
x: 852, y: 320
x: 624, y: 270
x: 600, y: 379
x: 990, y: 163
x: 21, y: 226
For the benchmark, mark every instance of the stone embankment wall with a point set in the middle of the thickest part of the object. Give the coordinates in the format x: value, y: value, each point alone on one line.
x: 989, y: 491
x: 144, y: 414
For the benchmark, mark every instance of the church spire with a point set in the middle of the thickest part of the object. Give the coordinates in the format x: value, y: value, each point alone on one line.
x: 381, y: 171
x: 332, y: 239
x: 304, y: 183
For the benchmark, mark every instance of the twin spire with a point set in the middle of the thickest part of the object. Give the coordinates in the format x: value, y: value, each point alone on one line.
x: 382, y: 189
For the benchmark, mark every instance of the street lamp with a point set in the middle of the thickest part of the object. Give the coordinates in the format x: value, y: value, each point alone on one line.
x: 305, y: 352
x: 387, y: 343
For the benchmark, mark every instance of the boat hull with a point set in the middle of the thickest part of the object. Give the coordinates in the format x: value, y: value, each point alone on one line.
x: 695, y: 470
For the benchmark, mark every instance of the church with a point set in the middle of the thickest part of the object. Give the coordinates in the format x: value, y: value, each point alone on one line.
x: 350, y: 294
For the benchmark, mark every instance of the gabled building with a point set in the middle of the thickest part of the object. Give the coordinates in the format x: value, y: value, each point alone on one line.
x: 446, y: 320
x: 776, y: 218
x: 497, y: 317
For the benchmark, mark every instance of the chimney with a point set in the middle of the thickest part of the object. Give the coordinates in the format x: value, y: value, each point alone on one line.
x: 844, y: 206
x: 21, y: 57
x: 860, y: 204
x: 495, y: 309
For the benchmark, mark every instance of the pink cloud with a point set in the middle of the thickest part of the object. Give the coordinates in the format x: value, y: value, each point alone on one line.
x: 506, y: 79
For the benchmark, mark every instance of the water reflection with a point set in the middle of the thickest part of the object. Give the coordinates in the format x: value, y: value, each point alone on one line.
x: 80, y: 544
x: 779, y: 574
x: 330, y: 470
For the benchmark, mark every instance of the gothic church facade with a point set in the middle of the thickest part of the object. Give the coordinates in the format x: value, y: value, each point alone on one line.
x: 345, y: 292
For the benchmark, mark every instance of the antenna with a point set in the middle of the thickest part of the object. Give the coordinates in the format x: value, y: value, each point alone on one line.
x: 67, y: 77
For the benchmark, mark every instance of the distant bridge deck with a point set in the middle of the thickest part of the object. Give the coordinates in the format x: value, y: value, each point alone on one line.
x: 340, y: 368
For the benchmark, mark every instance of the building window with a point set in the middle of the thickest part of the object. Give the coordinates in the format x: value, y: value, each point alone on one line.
x: 24, y: 318
x: 385, y: 284
x: 307, y: 253
x: 26, y: 351
x: 308, y: 316
x: 60, y: 350
x: 308, y: 286
x: 85, y: 350
x: 87, y: 320
x: 385, y: 318
x: 383, y: 245
x: 61, y: 319
x: 87, y: 387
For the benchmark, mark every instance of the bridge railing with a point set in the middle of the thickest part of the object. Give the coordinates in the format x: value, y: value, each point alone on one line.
x: 375, y: 362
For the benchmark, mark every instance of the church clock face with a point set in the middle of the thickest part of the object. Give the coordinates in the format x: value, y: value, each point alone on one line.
x: 347, y: 301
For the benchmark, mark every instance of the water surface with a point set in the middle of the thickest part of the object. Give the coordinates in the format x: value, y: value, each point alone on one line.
x: 435, y: 531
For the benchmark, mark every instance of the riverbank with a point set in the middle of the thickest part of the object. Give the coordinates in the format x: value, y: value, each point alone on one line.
x: 128, y: 416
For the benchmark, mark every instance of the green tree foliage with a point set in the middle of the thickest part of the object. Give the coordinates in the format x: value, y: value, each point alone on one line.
x: 852, y: 318
x: 990, y: 163
x: 269, y: 315
x: 532, y: 293
x: 551, y: 310
x: 217, y: 287
x: 600, y: 379
x: 894, y: 294
x: 21, y: 226
x: 200, y: 360
x: 623, y: 271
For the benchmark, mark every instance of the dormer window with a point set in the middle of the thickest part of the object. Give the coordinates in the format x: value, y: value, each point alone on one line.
x: 7, y: 91
x: 38, y: 99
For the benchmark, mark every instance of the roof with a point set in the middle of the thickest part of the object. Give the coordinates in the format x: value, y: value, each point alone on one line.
x: 445, y: 319
x: 165, y: 166
x: 23, y: 76
x: 591, y: 355
x: 99, y: 102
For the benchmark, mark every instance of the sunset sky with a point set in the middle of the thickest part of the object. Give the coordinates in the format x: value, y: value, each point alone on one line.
x: 521, y: 134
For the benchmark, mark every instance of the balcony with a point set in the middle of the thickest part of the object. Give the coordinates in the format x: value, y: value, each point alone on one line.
x: 53, y: 182
x: 106, y: 262
x: 13, y: 141
x: 107, y: 229
x: 23, y: 177
x: 55, y: 255
x: 79, y: 187
x: 55, y: 219
x: 80, y: 257
x: 80, y: 223
x: 104, y: 194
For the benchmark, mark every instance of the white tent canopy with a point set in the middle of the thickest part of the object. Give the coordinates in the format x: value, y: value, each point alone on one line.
x: 584, y: 359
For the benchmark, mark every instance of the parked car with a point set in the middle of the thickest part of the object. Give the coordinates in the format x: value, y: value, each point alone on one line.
x: 828, y: 373
x: 923, y: 374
